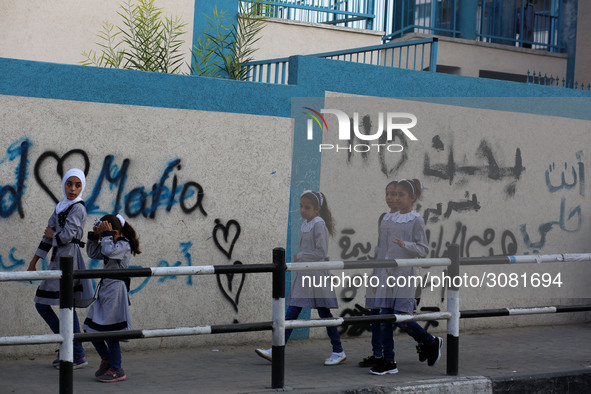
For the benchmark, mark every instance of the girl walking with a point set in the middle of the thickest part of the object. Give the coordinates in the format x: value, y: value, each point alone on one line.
x: 63, y: 237
x: 318, y: 225
x: 370, y: 295
x: 402, y: 236
x: 113, y: 240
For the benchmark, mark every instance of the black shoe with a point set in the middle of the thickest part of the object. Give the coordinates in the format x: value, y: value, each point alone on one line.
x: 384, y: 368
x: 433, y: 351
x: 422, y: 352
x: 370, y: 361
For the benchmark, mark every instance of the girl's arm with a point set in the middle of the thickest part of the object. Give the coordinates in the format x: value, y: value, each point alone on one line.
x: 45, y: 244
x: 73, y: 228
x: 320, y: 235
x: 113, y: 250
x: 93, y: 246
x: 418, y: 246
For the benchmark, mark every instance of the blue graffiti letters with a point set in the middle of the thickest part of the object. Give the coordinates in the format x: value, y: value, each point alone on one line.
x: 11, y: 195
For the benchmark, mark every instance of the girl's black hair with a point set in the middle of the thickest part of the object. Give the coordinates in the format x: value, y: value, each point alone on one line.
x: 393, y: 183
x: 412, y: 186
x: 315, y: 198
x: 127, y: 231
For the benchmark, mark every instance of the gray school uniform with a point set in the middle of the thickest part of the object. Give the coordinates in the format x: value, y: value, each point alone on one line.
x: 410, y: 228
x: 69, y: 230
x: 110, y: 311
x: 313, y: 247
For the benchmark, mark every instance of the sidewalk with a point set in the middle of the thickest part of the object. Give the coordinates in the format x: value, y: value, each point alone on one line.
x: 544, y: 359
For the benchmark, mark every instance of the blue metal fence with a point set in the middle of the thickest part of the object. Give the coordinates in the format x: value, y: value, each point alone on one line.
x: 349, y: 13
x: 419, y: 55
x: 495, y: 21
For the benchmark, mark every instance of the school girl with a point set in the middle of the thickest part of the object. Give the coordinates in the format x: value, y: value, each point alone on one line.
x: 113, y: 240
x: 318, y: 225
x: 63, y: 237
x: 370, y: 296
x: 402, y: 236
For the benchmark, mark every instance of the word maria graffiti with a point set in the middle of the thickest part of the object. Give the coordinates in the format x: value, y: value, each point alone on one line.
x: 165, y: 193
x: 110, y: 194
x: 369, y: 141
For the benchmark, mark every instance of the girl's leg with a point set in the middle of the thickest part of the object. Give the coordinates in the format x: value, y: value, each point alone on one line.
x: 292, y: 313
x: 417, y: 332
x: 114, y: 354
x: 376, y: 336
x: 102, y: 350
x: 49, y: 316
x: 78, y: 349
x: 387, y: 333
x: 333, y: 332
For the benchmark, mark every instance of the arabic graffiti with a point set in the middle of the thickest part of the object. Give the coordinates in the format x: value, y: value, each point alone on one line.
x: 570, y: 219
x: 576, y: 175
x: 469, y: 244
x: 383, y: 156
x: 470, y: 204
x: 357, y: 251
x: 450, y: 170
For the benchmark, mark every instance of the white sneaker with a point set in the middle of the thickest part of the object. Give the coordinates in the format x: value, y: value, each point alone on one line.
x: 267, y: 354
x: 335, y: 359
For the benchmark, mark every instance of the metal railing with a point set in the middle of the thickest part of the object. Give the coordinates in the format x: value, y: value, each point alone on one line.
x: 493, y: 20
x: 278, y: 325
x: 418, y: 55
x: 349, y: 13
x: 551, y: 80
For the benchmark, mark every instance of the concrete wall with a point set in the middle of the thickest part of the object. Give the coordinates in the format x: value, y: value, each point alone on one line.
x: 283, y: 38
x: 59, y: 31
x: 583, y: 61
x: 234, y: 139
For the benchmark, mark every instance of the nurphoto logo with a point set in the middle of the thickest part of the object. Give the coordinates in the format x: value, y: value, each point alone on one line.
x: 393, y: 121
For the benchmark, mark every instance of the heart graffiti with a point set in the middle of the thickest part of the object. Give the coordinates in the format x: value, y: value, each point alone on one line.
x: 229, y: 235
x: 228, y: 242
x: 60, y: 161
x: 228, y: 288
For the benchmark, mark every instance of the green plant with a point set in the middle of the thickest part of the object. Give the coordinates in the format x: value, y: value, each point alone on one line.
x: 147, y: 42
x: 226, y: 49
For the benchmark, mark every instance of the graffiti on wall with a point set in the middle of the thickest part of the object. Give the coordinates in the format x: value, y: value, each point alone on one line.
x: 109, y: 194
x: 448, y: 163
x: 568, y: 216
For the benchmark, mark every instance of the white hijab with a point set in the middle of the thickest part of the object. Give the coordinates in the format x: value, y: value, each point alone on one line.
x: 65, y: 203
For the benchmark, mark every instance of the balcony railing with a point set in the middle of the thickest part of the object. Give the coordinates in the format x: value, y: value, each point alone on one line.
x: 494, y: 21
x: 419, y: 55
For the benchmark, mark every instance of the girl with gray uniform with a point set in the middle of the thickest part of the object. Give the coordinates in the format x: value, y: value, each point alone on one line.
x: 113, y: 240
x: 318, y: 225
x: 402, y: 236
x: 63, y: 237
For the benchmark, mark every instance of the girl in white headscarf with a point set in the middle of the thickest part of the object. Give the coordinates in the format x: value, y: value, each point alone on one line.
x: 63, y: 236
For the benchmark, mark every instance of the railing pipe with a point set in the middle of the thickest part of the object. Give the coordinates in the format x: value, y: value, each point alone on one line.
x: 278, y: 344
x: 67, y: 325
x: 453, y: 308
